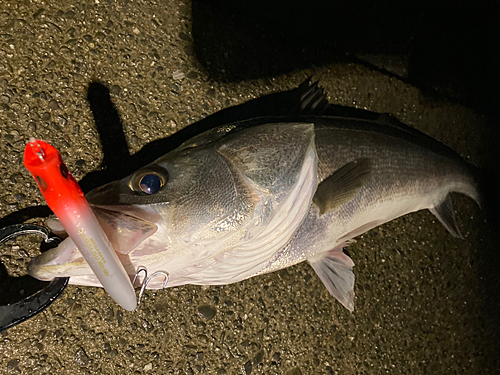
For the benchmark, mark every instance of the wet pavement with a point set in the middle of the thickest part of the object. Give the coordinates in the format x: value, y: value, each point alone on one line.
x: 426, y: 302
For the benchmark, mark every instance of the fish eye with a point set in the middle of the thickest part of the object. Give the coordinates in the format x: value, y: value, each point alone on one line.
x: 150, y: 184
x: 149, y: 181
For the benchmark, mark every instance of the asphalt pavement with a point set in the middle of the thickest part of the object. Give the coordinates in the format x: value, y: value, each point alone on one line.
x: 426, y: 303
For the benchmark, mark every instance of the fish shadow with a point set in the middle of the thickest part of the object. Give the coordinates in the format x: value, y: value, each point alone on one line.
x: 119, y: 163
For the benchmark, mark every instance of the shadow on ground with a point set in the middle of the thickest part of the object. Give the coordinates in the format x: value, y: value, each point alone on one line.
x: 449, y: 47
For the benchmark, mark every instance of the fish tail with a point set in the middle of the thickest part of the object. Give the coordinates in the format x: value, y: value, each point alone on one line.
x: 466, y: 182
x: 471, y: 187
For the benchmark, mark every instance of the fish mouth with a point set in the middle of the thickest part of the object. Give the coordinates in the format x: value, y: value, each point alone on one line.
x: 55, y: 262
x: 126, y: 227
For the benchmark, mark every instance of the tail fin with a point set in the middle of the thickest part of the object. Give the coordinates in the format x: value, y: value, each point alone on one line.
x: 478, y: 184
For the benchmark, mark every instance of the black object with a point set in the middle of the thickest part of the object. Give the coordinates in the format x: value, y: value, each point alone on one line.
x: 15, y: 313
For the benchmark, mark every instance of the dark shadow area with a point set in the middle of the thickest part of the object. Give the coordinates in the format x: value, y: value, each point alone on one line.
x: 118, y: 163
x: 109, y: 126
x: 17, y: 288
x: 450, y: 46
x: 255, y: 39
x: 489, y: 272
x: 24, y: 214
x: 111, y: 135
x: 488, y: 269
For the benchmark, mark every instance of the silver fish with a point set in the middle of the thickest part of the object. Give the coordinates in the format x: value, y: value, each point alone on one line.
x: 261, y: 195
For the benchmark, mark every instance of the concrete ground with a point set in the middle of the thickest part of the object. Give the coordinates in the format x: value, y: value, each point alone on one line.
x: 425, y: 301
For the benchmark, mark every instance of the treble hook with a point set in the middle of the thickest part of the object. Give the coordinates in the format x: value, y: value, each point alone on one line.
x: 147, y: 280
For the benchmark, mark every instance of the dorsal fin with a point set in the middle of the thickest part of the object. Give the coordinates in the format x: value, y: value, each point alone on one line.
x: 312, y: 99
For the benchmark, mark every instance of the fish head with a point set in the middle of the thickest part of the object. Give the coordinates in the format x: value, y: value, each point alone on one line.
x: 193, y: 191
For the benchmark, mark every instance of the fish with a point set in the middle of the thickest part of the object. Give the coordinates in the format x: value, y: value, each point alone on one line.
x: 265, y: 193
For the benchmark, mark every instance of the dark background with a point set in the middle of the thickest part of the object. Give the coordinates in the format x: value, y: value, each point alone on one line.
x: 451, y: 46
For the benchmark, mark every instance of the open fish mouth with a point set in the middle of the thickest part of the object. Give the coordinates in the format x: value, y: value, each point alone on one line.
x: 125, y: 228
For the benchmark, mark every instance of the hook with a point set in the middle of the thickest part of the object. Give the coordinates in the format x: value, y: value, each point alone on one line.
x: 147, y: 280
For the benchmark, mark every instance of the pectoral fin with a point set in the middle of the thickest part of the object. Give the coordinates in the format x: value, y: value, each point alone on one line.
x: 334, y: 268
x: 445, y: 214
x: 342, y: 185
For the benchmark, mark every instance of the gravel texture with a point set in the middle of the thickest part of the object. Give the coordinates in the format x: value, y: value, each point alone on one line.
x: 425, y: 301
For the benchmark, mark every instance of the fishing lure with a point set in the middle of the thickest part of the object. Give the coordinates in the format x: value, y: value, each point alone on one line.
x: 65, y: 198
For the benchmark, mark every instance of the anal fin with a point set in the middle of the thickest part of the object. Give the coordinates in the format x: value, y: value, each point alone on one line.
x: 445, y: 214
x: 334, y: 268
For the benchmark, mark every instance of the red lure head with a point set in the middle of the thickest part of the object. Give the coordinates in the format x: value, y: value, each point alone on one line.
x: 51, y: 174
